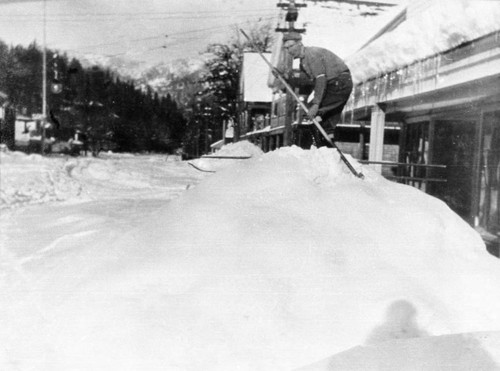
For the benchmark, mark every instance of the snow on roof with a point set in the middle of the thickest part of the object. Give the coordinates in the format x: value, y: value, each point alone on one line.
x: 217, y: 144
x: 341, y: 28
x: 255, y: 73
x: 444, y: 26
x: 24, y: 118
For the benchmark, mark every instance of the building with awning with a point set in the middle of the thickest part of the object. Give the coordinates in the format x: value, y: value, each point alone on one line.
x: 435, y: 72
x: 254, y: 98
x: 424, y: 110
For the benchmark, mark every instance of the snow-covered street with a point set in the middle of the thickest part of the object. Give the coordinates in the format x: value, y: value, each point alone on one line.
x: 55, y: 213
x: 140, y: 262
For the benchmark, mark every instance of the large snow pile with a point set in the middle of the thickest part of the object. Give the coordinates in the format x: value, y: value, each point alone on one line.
x: 241, y: 148
x: 271, y: 263
x: 444, y: 26
x: 473, y: 351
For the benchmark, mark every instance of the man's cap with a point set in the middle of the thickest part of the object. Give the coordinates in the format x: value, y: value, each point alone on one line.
x: 292, y: 36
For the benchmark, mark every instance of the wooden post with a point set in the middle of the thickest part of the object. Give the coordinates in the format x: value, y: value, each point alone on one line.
x: 299, y: 129
x: 377, y: 136
x: 430, y: 172
x: 224, y: 128
x: 362, y: 140
x: 198, y: 140
x: 432, y: 129
x: 402, y: 171
x: 205, y: 128
x: 289, y: 108
x: 236, y: 127
x: 476, y: 171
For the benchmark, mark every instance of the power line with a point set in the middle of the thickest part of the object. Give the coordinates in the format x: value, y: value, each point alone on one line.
x: 220, y: 27
x: 165, y: 12
x: 178, y: 43
x: 181, y: 15
x: 152, y: 18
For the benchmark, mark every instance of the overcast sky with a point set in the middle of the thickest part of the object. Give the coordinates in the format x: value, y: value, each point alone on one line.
x: 148, y: 30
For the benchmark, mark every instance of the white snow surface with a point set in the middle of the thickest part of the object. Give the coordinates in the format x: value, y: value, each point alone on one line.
x: 240, y: 149
x: 340, y: 27
x: 138, y: 262
x: 31, y: 179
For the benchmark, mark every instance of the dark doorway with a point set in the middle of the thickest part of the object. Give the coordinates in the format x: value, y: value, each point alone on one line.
x: 489, y: 201
x: 454, y: 147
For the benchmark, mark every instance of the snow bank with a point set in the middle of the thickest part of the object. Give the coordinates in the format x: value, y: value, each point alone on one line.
x: 231, y: 151
x: 476, y: 351
x: 31, y: 179
x: 444, y: 26
x: 28, y: 179
x: 241, y: 148
x: 291, y: 258
x: 272, y: 263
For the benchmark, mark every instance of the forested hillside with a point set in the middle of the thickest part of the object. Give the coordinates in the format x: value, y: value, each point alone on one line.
x: 93, y: 100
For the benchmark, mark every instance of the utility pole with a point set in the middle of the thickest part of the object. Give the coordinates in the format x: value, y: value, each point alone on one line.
x: 291, y: 17
x: 44, y: 77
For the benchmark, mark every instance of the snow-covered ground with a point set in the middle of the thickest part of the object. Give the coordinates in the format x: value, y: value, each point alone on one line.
x: 139, y: 262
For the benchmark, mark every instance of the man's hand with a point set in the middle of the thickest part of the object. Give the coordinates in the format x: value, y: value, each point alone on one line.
x: 313, y: 111
x: 277, y: 73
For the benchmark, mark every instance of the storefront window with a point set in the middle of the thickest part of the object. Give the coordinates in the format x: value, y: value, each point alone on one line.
x: 489, y: 209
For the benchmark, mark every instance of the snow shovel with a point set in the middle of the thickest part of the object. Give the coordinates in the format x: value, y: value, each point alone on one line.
x: 306, y: 110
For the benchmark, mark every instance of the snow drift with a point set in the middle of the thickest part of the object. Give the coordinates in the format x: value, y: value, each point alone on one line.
x: 447, y: 352
x: 272, y: 263
x: 28, y: 179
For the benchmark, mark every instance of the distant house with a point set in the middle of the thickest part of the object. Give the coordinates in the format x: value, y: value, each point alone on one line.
x: 26, y: 129
x: 21, y: 132
x: 28, y: 133
x: 437, y: 75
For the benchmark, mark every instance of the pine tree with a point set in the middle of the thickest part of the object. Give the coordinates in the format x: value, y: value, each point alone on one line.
x: 114, y: 114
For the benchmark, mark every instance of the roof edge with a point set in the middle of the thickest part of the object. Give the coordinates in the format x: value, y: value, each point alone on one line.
x: 391, y: 25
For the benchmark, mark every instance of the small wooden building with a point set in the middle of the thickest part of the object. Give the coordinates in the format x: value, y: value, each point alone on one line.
x: 254, y: 100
